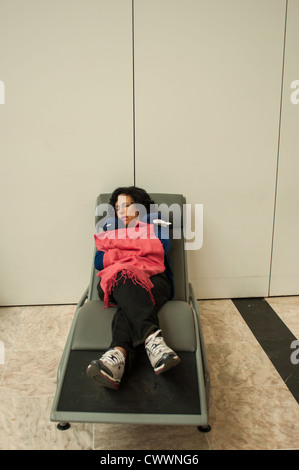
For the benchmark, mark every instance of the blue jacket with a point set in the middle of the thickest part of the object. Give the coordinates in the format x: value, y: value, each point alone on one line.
x: 161, y: 232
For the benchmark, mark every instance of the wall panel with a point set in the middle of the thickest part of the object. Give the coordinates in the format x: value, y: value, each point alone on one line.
x: 207, y: 93
x: 285, y: 261
x: 65, y: 135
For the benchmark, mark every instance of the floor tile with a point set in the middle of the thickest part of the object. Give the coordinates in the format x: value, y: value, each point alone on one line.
x: 251, y: 407
x: 288, y: 310
x: 149, y: 437
x: 30, y: 373
x: 10, y: 321
x: 255, y: 418
x: 44, y: 328
x: 25, y: 425
x: 36, y: 349
x: 240, y: 364
x: 222, y: 322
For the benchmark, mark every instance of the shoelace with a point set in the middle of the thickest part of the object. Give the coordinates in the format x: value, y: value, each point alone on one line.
x: 156, y: 342
x: 113, y: 357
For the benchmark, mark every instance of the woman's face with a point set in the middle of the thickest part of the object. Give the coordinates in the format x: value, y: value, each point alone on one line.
x: 125, y: 209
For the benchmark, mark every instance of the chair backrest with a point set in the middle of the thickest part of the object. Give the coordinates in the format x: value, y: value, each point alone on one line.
x: 171, y: 207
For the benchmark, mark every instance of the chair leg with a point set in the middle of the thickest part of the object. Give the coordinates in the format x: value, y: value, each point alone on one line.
x: 63, y: 426
x: 204, y: 428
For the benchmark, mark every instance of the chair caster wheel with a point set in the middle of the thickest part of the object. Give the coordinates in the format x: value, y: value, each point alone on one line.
x: 204, y: 428
x: 63, y: 426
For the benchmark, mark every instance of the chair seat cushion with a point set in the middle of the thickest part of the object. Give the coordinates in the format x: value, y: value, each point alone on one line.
x: 93, y: 326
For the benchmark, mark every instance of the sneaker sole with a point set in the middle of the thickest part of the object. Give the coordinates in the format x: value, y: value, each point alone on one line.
x: 171, y: 361
x: 99, y: 376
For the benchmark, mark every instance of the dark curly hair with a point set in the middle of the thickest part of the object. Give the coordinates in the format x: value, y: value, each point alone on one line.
x: 138, y: 195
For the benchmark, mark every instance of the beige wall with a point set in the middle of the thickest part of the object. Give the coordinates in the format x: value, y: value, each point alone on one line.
x: 65, y: 135
x: 208, y: 85
x: 207, y: 102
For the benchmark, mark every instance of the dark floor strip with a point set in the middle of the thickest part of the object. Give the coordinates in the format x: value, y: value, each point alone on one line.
x: 274, y: 337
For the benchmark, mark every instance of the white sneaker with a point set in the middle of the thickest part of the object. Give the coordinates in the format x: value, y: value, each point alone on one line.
x: 162, y: 358
x: 108, y: 370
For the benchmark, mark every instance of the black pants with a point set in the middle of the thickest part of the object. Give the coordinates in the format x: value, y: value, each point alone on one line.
x: 136, y: 315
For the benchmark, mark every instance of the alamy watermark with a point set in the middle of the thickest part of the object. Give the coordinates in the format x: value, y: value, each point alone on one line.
x: 295, y: 354
x: 2, y: 353
x: 2, y: 92
x: 295, y: 94
x: 186, y: 221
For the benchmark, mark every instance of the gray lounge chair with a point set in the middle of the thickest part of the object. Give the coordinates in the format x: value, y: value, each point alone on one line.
x: 180, y: 396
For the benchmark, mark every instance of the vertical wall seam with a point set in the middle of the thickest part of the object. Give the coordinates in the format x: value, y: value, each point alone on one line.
x: 278, y: 146
x: 133, y: 103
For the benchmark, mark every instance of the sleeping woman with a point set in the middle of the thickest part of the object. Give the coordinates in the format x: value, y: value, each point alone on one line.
x: 136, y: 277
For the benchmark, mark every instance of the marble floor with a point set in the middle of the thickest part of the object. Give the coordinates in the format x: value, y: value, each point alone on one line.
x: 251, y: 406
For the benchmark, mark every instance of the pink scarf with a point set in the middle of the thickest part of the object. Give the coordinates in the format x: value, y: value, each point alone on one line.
x: 131, y: 253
